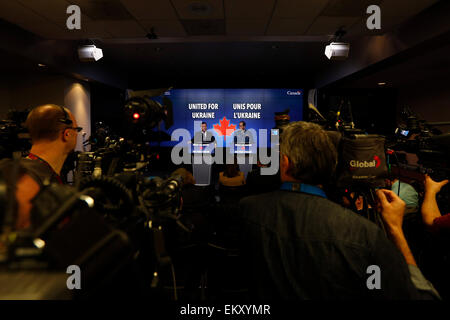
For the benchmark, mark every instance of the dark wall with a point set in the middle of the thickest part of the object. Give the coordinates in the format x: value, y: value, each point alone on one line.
x: 107, y: 105
x: 374, y: 110
x: 430, y: 100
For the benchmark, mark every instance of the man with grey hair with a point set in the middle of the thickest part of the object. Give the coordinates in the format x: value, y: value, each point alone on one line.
x: 300, y: 245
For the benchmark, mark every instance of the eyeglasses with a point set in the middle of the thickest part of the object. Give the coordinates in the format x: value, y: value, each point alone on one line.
x: 78, y: 129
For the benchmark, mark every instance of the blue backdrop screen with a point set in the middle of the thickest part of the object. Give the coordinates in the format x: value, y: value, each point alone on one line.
x: 223, y: 109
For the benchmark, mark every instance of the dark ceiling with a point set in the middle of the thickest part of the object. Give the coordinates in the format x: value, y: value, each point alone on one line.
x: 191, y: 62
x: 217, y: 64
x: 429, y: 63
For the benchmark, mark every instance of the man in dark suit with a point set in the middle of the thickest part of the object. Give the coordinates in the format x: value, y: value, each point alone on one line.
x: 242, y: 135
x: 203, y: 136
x: 300, y: 245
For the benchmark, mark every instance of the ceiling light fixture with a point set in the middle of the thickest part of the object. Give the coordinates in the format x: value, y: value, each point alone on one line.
x: 338, y: 50
x: 90, y: 53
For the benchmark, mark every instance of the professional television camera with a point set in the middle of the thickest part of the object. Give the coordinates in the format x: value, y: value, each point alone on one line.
x: 282, y: 119
x: 361, y: 164
x: 113, y: 228
x: 112, y: 223
x: 431, y: 146
x: 143, y: 114
x: 112, y: 153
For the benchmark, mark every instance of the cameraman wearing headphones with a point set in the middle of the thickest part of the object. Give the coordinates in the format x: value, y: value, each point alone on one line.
x: 53, y: 131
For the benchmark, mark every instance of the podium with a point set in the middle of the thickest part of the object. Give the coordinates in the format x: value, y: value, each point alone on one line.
x: 202, y: 162
x: 245, y: 151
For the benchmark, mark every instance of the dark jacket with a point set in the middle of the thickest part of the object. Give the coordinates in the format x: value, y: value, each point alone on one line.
x: 40, y: 172
x: 301, y: 246
x: 199, y: 138
x: 257, y: 183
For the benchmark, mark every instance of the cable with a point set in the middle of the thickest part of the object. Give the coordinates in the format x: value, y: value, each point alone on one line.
x: 174, y: 283
x: 115, y: 190
x: 398, y: 163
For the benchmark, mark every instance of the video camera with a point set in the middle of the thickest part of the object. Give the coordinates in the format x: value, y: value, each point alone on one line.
x: 142, y: 113
x: 361, y: 166
x: 431, y: 146
x: 106, y: 226
x: 111, y: 223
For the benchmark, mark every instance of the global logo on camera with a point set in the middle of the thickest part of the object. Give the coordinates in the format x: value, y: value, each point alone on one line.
x: 375, y: 163
x: 294, y: 93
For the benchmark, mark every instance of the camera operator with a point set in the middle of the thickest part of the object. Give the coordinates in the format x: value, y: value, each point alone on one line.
x: 300, y: 245
x: 431, y: 214
x: 53, y: 131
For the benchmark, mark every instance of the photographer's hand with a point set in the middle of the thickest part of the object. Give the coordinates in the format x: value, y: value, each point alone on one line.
x: 432, y: 186
x: 392, y: 212
x: 392, y: 208
x: 430, y: 209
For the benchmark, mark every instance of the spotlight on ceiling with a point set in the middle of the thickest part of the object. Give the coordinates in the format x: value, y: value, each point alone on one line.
x: 381, y: 83
x: 338, y: 50
x: 90, y: 53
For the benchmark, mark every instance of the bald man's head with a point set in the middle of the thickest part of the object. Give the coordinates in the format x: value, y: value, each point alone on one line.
x: 45, y: 122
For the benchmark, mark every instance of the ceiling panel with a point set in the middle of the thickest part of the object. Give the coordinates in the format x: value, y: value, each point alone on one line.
x: 50, y: 9
x: 202, y: 27
x: 103, y: 9
x: 403, y: 8
x: 164, y: 28
x: 125, y: 29
x: 249, y: 9
x: 305, y: 9
x: 246, y: 27
x: 329, y: 25
x: 348, y: 8
x: 16, y: 13
x: 94, y: 29
x: 150, y: 9
x: 288, y: 27
x: 47, y: 18
x: 360, y: 28
x: 200, y: 9
x: 387, y: 24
